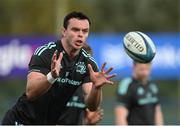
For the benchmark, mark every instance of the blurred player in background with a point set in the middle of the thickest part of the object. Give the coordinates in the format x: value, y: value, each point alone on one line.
x: 56, y: 70
x: 76, y: 112
x: 137, y: 97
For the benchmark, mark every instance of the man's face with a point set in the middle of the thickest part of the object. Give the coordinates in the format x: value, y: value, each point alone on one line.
x: 142, y: 71
x: 76, y: 33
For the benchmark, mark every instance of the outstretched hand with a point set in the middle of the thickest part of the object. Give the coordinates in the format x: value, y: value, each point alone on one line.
x: 56, y: 64
x: 92, y: 118
x: 101, y: 78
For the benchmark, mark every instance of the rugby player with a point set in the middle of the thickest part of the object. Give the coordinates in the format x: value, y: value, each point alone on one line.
x: 137, y: 99
x: 56, y: 70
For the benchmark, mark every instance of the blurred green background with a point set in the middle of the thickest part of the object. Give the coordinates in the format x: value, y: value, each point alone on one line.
x: 44, y: 17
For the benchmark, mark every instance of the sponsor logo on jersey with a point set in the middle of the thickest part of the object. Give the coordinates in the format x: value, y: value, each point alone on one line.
x: 148, y: 99
x: 75, y: 103
x: 68, y: 81
x: 67, y: 73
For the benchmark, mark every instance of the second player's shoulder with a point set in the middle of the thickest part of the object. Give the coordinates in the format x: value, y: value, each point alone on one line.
x: 153, y: 86
x: 124, y: 85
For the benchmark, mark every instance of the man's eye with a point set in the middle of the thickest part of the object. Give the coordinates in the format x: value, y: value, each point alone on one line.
x: 75, y: 29
x: 85, y: 31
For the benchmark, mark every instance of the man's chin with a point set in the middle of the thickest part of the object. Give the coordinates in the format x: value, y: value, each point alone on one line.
x: 77, y: 47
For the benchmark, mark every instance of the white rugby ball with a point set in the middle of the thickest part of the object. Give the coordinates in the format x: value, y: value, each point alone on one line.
x: 139, y: 47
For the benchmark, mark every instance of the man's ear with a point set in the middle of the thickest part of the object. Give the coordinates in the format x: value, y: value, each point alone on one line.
x: 63, y: 32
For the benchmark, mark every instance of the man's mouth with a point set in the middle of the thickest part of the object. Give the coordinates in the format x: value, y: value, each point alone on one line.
x: 79, y: 43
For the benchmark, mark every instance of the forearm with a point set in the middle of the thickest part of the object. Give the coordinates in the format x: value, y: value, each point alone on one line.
x: 121, y: 121
x: 94, y: 99
x: 158, y: 116
x: 121, y: 116
x: 37, y: 87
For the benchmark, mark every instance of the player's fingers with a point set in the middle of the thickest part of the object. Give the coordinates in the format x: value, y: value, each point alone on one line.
x: 103, y: 66
x: 101, y: 118
x: 54, y: 56
x: 99, y: 112
x: 53, y: 64
x: 109, y: 82
x: 98, y: 109
x: 90, y: 68
x: 87, y: 109
x: 60, y: 56
x: 109, y: 70
x: 102, y: 110
x: 102, y: 115
x: 111, y: 76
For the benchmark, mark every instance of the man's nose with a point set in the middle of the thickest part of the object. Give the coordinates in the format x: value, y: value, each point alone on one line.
x: 80, y: 34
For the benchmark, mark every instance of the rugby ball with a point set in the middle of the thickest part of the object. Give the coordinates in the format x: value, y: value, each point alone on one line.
x: 139, y: 47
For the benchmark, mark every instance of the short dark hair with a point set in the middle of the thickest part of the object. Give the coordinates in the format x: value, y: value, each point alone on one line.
x: 74, y: 14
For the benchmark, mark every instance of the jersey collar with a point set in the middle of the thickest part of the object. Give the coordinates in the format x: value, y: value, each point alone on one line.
x: 138, y: 81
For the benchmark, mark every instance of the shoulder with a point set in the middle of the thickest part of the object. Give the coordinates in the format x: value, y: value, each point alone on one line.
x: 88, y: 58
x: 124, y: 85
x: 46, y: 49
x: 153, y: 86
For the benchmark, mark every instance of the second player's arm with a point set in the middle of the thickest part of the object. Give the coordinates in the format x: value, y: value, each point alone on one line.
x: 158, y: 115
x: 121, y: 114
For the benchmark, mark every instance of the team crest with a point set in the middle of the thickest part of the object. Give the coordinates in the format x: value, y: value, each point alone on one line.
x: 81, y: 67
x: 140, y: 91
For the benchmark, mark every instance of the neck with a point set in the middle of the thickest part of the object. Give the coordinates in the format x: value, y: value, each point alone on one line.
x: 69, y: 49
x: 143, y: 80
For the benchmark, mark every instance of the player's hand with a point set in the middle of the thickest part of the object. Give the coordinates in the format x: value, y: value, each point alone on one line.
x: 93, y: 118
x: 56, y: 64
x: 101, y: 78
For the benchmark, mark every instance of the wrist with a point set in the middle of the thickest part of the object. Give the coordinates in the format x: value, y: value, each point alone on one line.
x: 88, y: 121
x: 50, y: 78
x: 97, y: 87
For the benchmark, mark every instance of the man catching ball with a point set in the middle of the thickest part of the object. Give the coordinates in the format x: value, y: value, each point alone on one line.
x: 56, y: 70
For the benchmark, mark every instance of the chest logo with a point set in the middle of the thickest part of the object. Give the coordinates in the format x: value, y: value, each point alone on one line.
x: 140, y: 91
x: 81, y: 68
